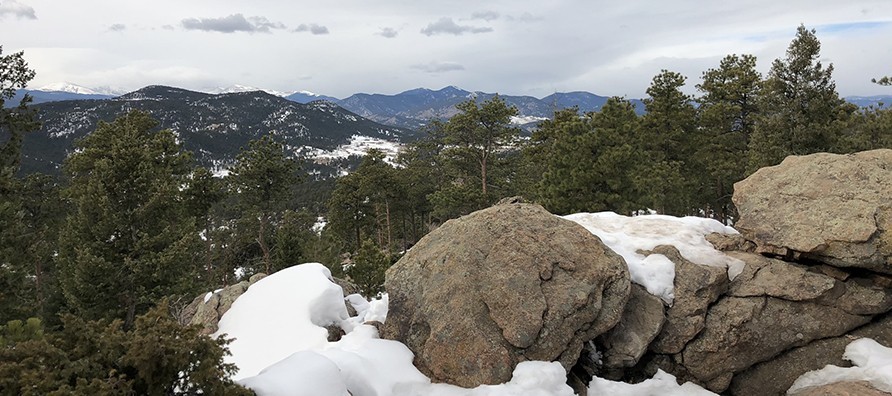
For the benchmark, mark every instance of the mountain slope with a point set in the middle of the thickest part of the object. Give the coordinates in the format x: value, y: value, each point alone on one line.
x: 213, y: 127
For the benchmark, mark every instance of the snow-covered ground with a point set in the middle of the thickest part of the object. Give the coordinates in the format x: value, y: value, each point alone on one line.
x: 359, y: 146
x: 523, y: 120
x: 280, y: 344
x: 627, y: 235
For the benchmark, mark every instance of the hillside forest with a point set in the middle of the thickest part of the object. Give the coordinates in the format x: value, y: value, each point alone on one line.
x: 133, y: 230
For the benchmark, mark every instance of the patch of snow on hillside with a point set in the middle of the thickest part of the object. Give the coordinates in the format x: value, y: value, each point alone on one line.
x: 359, y: 145
x: 627, y: 235
x: 873, y: 363
x: 523, y: 120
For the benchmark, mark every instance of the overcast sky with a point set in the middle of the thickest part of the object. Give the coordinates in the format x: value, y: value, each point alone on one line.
x: 516, y: 47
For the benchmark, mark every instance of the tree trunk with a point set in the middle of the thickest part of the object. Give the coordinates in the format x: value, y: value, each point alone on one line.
x: 261, y: 240
x: 387, y: 211
x: 483, y: 173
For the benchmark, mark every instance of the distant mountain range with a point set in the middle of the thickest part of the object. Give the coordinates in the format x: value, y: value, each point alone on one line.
x: 410, y: 109
x: 213, y: 126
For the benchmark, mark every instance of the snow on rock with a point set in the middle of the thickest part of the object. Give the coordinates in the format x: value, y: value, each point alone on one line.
x: 627, y: 235
x: 662, y: 383
x: 280, y: 348
x: 282, y: 314
x: 873, y: 363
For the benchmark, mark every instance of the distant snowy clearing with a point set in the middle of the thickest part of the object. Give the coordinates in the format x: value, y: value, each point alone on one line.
x: 358, y: 146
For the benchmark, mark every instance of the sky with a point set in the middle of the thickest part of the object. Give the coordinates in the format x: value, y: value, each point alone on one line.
x: 515, y: 47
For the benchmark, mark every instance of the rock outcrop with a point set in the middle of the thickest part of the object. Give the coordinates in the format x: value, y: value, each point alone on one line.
x: 835, y: 209
x: 207, y: 309
x: 818, y: 251
x: 500, y: 286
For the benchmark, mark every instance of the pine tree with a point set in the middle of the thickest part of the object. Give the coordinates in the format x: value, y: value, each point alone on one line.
x: 129, y: 239
x: 798, y: 105
x: 261, y: 180
x: 668, y: 179
x: 474, y: 142
x: 728, y: 111
x: 369, y: 265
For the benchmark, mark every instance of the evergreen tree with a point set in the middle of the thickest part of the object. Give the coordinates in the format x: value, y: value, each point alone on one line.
x: 798, y: 105
x: 157, y: 357
x: 15, y: 121
x: 129, y: 240
x: 368, y: 268
x: 362, y: 203
x: 728, y: 111
x: 261, y: 180
x: 474, y: 140
x: 668, y: 177
x: 294, y: 239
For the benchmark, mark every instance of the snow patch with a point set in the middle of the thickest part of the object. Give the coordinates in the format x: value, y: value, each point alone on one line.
x: 662, y: 384
x: 873, y: 363
x: 358, y: 145
x: 523, y: 120
x: 627, y: 235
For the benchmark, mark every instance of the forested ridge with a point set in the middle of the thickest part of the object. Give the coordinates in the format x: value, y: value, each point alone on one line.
x: 133, y: 230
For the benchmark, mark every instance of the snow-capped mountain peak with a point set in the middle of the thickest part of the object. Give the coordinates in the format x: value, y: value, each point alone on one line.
x: 67, y: 87
x: 247, y: 88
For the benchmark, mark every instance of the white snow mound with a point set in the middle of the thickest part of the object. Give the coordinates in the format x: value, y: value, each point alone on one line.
x: 627, y: 235
x: 873, y: 363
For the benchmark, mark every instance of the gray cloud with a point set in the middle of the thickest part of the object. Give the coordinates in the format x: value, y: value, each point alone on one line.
x: 231, y: 24
x: 525, y: 17
x: 19, y: 10
x: 448, y: 26
x: 438, y: 67
x: 118, y: 27
x: 387, y: 32
x: 312, y: 28
x: 485, y: 15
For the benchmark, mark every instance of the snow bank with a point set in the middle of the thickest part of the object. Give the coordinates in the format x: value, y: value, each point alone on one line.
x: 281, y: 348
x: 282, y: 314
x: 662, y: 383
x: 627, y: 235
x: 873, y: 363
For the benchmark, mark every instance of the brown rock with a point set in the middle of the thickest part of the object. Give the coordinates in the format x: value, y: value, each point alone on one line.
x: 500, y: 286
x: 775, y: 376
x: 831, y: 208
x: 696, y: 287
x: 847, y: 388
x: 641, y: 321
x: 743, y: 331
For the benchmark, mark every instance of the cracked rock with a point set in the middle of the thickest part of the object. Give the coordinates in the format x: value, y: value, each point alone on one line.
x: 503, y: 285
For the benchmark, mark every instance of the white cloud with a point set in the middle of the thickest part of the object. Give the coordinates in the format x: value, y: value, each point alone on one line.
x: 312, y: 28
x: 448, y: 26
x: 19, y: 10
x: 231, y: 24
x: 439, y: 67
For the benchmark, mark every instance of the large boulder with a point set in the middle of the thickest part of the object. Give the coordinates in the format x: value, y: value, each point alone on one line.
x: 774, y: 377
x: 206, y: 310
x: 626, y: 342
x: 773, y: 307
x: 501, y: 286
x: 835, y: 209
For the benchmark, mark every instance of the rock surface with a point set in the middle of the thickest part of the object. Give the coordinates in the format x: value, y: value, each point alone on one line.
x: 775, y: 376
x: 696, y: 288
x: 500, y: 286
x: 205, y: 311
x: 831, y: 208
x: 847, y: 388
x: 642, y: 320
